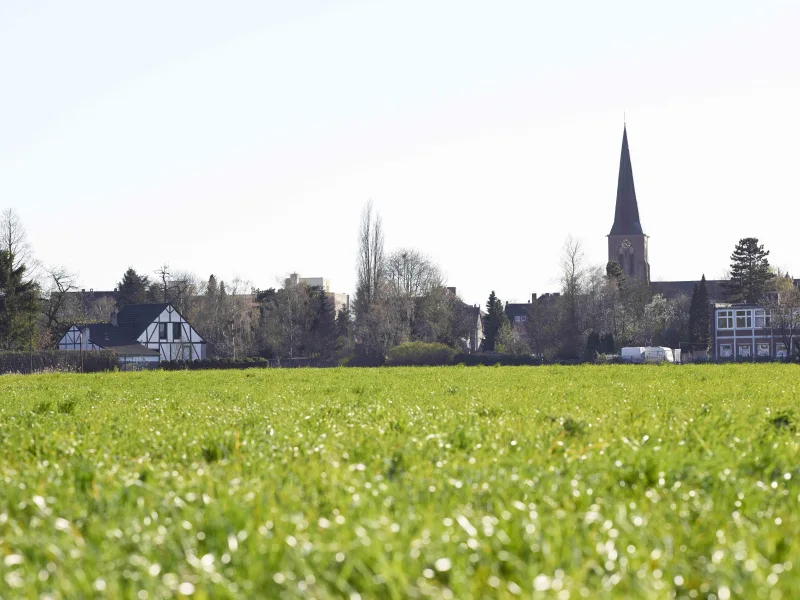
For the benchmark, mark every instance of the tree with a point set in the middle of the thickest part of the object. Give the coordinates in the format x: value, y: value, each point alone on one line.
x: 370, y: 265
x: 614, y: 271
x: 700, y: 316
x: 573, y: 274
x: 509, y: 341
x: 14, y: 240
x: 164, y: 278
x: 412, y: 273
x: 495, y: 319
x: 19, y: 304
x: 60, y: 281
x: 593, y: 346
x: 783, y: 308
x: 751, y: 276
x: 132, y: 289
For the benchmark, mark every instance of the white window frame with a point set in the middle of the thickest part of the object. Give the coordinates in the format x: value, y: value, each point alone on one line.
x: 763, y: 318
x: 762, y: 349
x: 726, y: 317
x: 780, y: 350
x: 746, y: 317
x: 725, y: 350
x: 748, y: 352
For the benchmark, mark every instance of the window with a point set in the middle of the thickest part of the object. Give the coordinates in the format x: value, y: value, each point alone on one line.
x: 763, y: 349
x: 725, y: 350
x: 780, y: 350
x: 763, y: 318
x: 744, y: 319
x: 724, y: 319
x: 162, y: 331
x: 176, y: 331
x: 744, y: 350
x: 520, y: 318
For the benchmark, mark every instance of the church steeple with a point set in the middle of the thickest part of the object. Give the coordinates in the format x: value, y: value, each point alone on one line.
x: 626, y: 216
x: 627, y: 243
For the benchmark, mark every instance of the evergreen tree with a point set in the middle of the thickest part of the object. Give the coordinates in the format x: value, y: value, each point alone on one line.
x: 694, y: 310
x: 321, y: 339
x: 133, y: 289
x: 700, y: 316
x: 594, y: 345
x: 614, y: 271
x: 703, y: 314
x: 19, y: 303
x: 607, y: 342
x: 751, y: 276
x: 495, y: 318
x: 211, y: 288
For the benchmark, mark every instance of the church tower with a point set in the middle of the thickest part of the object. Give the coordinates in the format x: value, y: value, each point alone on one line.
x: 627, y: 243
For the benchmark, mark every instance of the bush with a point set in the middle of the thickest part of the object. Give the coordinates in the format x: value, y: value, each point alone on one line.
x: 420, y: 354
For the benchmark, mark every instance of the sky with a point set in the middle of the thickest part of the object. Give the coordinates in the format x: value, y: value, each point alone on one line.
x: 244, y: 138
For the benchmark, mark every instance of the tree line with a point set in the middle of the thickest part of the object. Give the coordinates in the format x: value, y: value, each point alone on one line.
x: 401, y: 296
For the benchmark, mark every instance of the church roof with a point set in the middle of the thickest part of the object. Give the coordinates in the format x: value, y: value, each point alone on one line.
x: 626, y: 216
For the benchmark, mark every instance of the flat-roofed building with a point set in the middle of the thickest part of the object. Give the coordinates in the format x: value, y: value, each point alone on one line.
x: 749, y: 331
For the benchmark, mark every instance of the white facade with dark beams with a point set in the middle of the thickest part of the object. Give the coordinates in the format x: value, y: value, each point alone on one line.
x: 154, y: 331
x: 172, y: 336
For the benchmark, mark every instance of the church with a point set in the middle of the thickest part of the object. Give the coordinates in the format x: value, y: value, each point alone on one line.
x: 628, y: 243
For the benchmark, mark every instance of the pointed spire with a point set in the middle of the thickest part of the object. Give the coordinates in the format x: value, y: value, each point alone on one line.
x: 626, y: 216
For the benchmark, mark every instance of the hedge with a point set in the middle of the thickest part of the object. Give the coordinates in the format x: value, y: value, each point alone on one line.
x: 420, y: 354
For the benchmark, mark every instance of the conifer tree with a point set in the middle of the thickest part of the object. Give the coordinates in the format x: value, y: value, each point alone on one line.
x: 700, y: 316
x: 495, y: 318
x: 751, y: 276
x: 19, y: 303
x: 132, y: 289
x: 211, y: 287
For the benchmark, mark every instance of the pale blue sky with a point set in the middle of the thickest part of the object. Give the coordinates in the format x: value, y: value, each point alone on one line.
x: 243, y: 138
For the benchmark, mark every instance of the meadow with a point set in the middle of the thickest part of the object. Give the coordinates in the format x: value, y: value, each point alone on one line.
x: 453, y: 482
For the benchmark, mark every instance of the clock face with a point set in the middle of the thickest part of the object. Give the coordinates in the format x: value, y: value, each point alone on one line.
x: 626, y: 244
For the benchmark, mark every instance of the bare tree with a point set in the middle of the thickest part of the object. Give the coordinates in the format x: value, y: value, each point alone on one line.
x: 370, y: 265
x: 60, y: 281
x: 783, y: 308
x: 14, y: 239
x: 164, y: 277
x: 411, y: 273
x: 573, y: 274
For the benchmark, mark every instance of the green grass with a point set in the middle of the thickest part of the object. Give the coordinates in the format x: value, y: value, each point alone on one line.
x: 552, y: 482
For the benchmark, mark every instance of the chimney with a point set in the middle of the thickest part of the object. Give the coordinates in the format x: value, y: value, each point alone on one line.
x: 114, y: 318
x: 533, y: 298
x: 452, y: 290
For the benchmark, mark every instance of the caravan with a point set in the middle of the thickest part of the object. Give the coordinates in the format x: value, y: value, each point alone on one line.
x: 650, y: 354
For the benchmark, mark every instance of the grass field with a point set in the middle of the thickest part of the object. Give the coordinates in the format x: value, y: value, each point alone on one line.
x: 552, y: 482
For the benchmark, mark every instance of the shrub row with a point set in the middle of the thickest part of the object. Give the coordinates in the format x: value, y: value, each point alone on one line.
x: 244, y: 363
x: 420, y: 354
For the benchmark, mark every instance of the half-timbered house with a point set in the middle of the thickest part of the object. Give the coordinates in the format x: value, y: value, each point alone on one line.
x: 140, y: 332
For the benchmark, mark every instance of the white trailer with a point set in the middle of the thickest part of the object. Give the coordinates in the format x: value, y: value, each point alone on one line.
x: 657, y: 354
x: 650, y: 354
x: 633, y: 354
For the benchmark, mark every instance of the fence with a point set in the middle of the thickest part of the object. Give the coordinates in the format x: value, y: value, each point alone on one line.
x: 43, y: 362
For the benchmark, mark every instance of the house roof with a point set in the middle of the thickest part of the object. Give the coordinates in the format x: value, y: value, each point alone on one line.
x: 626, y: 215
x: 107, y: 336
x: 134, y: 349
x: 673, y: 289
x: 136, y: 317
x: 517, y: 310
